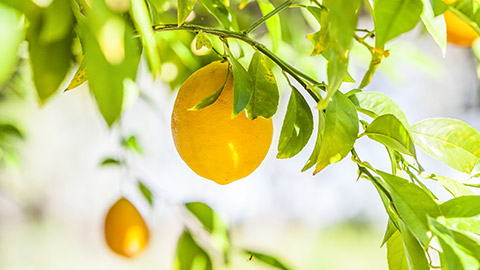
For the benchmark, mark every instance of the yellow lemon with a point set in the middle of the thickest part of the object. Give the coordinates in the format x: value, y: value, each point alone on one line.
x: 212, y: 143
x: 125, y: 230
x: 458, y: 31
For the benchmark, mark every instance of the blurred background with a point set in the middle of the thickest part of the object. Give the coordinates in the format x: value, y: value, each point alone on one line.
x: 54, y: 193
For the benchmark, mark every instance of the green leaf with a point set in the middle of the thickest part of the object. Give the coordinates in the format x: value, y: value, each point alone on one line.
x: 397, y: 260
x: 142, y: 21
x: 11, y: 31
x: 146, y: 192
x: 110, y: 161
x: 273, y: 23
x: 464, y: 206
x: 340, y: 133
x: 9, y: 130
x: 389, y: 232
x: 211, y: 98
x: 222, y: 12
x: 264, y: 100
x: 213, y: 224
x: 412, y: 203
x: 375, y: 104
x: 57, y: 22
x: 343, y: 16
x: 184, y: 8
x: 204, y: 214
x: 131, y: 143
x: 112, y: 55
x: 389, y: 131
x: 413, y: 250
x: 343, y: 22
x: 450, y: 141
x: 467, y: 225
x: 456, y: 256
x: 454, y: 187
x: 202, y: 40
x: 78, y: 79
x: 242, y: 86
x: 476, y: 169
x: 438, y: 7
x: 393, y: 18
x: 50, y: 61
x: 435, y: 25
x: 312, y: 160
x: 266, y: 259
x: 320, y: 39
x: 297, y: 126
x: 191, y: 256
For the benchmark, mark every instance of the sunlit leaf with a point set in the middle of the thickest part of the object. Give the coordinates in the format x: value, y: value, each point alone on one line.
x: 393, y: 18
x: 222, y: 12
x: 343, y: 22
x: 131, y: 143
x: 50, y: 60
x: 202, y: 40
x: 10, y: 130
x: 450, y: 141
x: 213, y: 224
x: 412, y: 203
x: 264, y: 100
x: 297, y: 126
x: 435, y: 25
x: 266, y: 259
x: 312, y: 160
x: 184, y: 8
x: 191, y: 256
x: 396, y: 257
x: 11, y: 31
x: 388, y: 130
x: 209, y: 100
x: 143, y: 23
x: 375, y: 104
x: 242, y: 86
x: 456, y: 255
x: 273, y: 23
x: 146, y: 192
x: 340, y: 133
x: 464, y: 206
x: 57, y: 22
x: 454, y: 187
x: 78, y: 79
x: 110, y: 161
x: 111, y: 58
x: 416, y: 258
x: 389, y: 231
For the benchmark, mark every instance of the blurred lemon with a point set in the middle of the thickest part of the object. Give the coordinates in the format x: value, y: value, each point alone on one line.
x: 125, y: 230
x: 458, y: 31
x: 212, y: 143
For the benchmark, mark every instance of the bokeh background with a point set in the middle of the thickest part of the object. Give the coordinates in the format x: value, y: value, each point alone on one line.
x: 54, y: 194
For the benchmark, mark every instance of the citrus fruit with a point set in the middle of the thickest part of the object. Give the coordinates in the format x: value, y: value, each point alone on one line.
x: 212, y: 143
x: 125, y: 230
x: 458, y: 31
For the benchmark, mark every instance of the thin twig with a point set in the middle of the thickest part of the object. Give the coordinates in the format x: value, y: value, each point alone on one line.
x: 292, y: 71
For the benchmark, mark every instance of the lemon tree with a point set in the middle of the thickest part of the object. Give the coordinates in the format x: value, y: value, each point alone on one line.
x: 230, y: 72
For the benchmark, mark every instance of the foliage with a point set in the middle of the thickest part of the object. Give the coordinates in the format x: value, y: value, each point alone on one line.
x: 113, y: 35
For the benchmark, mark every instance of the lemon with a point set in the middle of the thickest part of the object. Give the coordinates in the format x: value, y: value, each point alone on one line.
x: 458, y: 31
x: 125, y: 230
x: 212, y: 143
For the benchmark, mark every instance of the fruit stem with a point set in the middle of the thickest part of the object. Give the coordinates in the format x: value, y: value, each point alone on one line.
x: 295, y: 73
x: 266, y: 17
